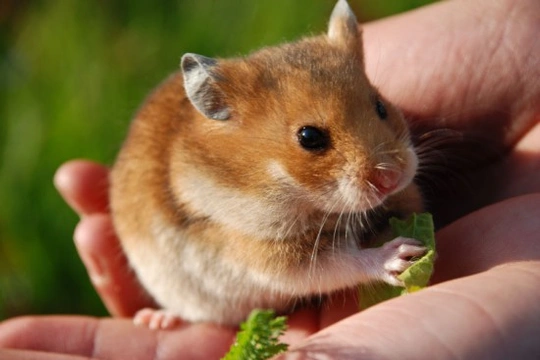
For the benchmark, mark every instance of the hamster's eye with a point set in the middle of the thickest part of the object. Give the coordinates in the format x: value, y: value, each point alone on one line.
x: 312, y: 138
x: 381, y: 109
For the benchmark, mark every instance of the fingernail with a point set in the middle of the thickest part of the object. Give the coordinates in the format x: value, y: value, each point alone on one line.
x: 62, y: 181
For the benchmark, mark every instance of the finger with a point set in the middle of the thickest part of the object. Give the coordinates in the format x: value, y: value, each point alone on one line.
x: 300, y: 325
x: 114, y: 338
x: 43, y: 334
x: 308, y: 321
x: 36, y: 355
x: 520, y: 169
x: 108, y: 267
x: 339, y: 306
x: 84, y: 185
x: 497, y: 234
x: 485, y: 316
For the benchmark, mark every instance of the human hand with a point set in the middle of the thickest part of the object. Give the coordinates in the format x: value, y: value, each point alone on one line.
x: 473, y: 67
x: 497, y: 304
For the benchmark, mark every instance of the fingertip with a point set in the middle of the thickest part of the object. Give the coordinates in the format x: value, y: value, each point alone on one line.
x: 66, y: 176
x: 95, y: 234
x: 10, y: 330
x: 84, y: 186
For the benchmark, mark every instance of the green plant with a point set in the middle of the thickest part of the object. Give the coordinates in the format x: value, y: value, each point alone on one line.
x: 258, y: 338
x: 416, y: 277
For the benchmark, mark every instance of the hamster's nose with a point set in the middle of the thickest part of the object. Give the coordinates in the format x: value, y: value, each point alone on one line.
x: 386, y: 180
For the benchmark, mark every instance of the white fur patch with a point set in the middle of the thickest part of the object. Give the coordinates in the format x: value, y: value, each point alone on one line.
x: 264, y: 217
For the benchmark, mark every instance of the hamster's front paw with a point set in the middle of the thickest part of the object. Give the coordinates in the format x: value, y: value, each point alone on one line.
x: 156, y: 319
x: 398, y: 256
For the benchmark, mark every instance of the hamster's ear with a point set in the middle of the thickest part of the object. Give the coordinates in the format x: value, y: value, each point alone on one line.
x: 200, y: 86
x: 343, y: 27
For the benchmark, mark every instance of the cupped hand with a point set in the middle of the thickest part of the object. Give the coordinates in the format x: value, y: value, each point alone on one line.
x: 470, y: 66
x: 77, y: 337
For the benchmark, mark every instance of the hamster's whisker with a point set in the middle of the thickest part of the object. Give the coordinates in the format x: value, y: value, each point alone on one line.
x: 384, y: 147
x: 352, y: 234
x: 326, y: 189
x: 377, y: 149
x: 404, y: 136
x: 386, y: 166
x: 316, y: 244
x: 375, y: 190
x: 347, y: 229
x: 366, y: 214
x: 368, y: 224
x: 388, y: 152
x: 349, y: 203
x: 354, y: 219
x: 289, y: 229
x: 337, y: 230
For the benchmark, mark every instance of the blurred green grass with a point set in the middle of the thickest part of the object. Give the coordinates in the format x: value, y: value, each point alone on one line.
x: 72, y: 73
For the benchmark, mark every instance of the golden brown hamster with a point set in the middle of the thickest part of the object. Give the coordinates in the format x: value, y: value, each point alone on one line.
x: 256, y: 182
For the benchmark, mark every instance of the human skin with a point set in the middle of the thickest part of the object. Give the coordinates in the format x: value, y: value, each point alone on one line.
x: 469, y: 65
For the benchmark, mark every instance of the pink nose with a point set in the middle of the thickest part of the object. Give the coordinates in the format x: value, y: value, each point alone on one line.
x: 385, y: 180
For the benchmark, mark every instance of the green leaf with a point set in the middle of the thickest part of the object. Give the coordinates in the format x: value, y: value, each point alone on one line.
x: 418, y: 227
x: 416, y: 277
x: 258, y: 338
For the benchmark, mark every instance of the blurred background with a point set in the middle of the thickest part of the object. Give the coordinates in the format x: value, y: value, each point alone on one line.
x: 72, y: 73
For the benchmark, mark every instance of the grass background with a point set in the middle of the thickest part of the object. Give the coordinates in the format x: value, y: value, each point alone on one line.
x: 72, y: 73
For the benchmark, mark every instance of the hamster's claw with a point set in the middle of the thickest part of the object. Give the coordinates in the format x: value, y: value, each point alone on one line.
x: 156, y: 319
x: 401, y: 253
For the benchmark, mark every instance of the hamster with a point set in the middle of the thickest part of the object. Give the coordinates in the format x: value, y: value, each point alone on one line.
x: 261, y: 181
